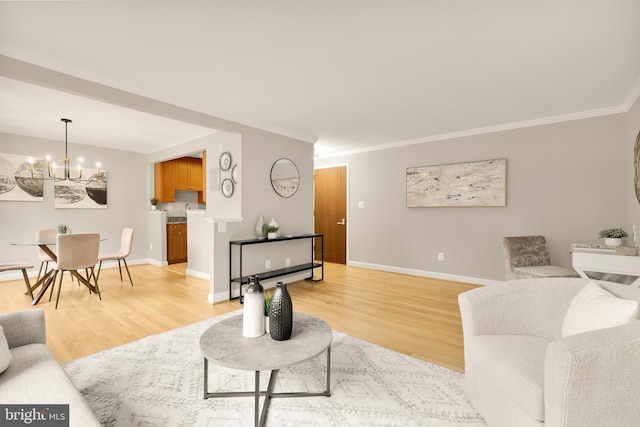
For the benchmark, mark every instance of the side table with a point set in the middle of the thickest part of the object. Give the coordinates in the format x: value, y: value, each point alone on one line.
x: 224, y: 345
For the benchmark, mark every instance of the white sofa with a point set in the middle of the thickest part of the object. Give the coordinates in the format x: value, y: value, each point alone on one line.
x: 520, y: 371
x: 34, y: 376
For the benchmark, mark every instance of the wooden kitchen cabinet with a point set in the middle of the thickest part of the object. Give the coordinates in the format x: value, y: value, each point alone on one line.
x: 176, y: 243
x: 188, y: 174
x: 165, y: 182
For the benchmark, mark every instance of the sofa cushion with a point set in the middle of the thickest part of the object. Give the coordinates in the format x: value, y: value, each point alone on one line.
x: 5, y: 353
x: 515, y: 366
x: 36, y: 377
x: 595, y: 308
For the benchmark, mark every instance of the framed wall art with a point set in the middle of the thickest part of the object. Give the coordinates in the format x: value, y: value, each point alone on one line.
x: 86, y: 194
x: 21, y: 178
x: 480, y: 183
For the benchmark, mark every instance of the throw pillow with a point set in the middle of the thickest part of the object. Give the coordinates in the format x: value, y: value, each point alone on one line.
x: 596, y: 308
x: 5, y: 354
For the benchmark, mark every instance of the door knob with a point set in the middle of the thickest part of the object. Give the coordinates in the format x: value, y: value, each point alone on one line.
x: 342, y: 222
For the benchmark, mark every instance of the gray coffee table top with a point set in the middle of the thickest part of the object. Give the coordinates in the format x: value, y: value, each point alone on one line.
x: 224, y: 345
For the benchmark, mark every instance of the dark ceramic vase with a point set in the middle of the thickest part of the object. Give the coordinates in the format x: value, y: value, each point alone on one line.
x: 281, y: 313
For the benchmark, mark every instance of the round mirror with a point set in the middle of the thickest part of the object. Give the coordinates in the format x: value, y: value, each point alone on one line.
x: 284, y: 177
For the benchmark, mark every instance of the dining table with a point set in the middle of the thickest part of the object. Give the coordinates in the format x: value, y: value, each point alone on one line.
x: 47, y: 279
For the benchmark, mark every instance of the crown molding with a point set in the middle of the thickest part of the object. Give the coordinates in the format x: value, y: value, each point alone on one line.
x: 497, y: 128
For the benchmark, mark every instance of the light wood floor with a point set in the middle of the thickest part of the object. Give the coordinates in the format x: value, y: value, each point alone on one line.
x: 412, y: 315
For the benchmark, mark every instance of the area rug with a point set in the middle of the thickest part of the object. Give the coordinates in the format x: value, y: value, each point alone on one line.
x: 158, y: 381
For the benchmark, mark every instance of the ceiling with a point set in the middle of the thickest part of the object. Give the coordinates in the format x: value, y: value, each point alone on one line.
x: 345, y: 75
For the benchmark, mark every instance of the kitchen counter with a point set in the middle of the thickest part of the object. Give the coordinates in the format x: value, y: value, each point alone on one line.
x: 176, y: 220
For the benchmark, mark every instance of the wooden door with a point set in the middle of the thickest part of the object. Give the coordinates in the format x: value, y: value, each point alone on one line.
x: 195, y: 174
x: 165, y: 182
x: 182, y: 173
x: 176, y: 243
x: 331, y: 212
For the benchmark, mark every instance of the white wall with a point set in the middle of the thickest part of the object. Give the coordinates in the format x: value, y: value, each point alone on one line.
x: 127, y: 201
x: 565, y: 181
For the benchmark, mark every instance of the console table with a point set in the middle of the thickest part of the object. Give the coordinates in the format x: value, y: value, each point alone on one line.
x: 270, y: 274
x: 599, y: 259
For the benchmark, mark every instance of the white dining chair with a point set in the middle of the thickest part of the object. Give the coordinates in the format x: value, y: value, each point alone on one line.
x: 126, y: 242
x: 75, y: 252
x: 22, y: 266
x: 45, y: 235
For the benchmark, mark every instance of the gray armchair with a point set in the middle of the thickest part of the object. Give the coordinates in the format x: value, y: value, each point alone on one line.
x: 519, y: 371
x: 527, y: 257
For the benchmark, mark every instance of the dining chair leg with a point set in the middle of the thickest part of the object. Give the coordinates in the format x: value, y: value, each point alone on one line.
x: 53, y: 283
x: 95, y: 281
x: 120, y: 270
x: 59, y: 287
x: 26, y: 282
x: 42, y: 264
x: 99, y: 269
x: 127, y: 267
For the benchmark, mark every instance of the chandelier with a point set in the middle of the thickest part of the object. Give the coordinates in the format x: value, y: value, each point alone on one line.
x: 67, y: 171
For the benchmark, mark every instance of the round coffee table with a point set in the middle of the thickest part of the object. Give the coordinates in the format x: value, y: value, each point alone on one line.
x: 224, y: 345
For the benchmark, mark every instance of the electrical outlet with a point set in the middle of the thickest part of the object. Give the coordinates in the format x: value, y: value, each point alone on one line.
x: 440, y: 256
x: 287, y: 262
x: 267, y: 264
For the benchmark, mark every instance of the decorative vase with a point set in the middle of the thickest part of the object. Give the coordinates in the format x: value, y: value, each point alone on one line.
x: 253, y: 312
x: 260, y: 227
x: 154, y: 207
x: 281, y: 314
x: 611, y: 241
x: 272, y: 235
x: 273, y: 223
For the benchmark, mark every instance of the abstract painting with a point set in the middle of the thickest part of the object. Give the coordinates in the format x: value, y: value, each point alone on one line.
x: 21, y: 180
x: 480, y: 183
x: 89, y: 193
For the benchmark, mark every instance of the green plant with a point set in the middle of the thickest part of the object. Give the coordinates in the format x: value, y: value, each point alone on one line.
x: 268, y: 296
x: 154, y: 201
x: 62, y: 228
x: 612, y: 233
x: 271, y: 229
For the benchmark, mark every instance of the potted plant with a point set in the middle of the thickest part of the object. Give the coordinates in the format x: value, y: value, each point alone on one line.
x: 272, y: 231
x: 268, y: 296
x: 613, y: 236
x: 154, y: 203
x: 62, y: 228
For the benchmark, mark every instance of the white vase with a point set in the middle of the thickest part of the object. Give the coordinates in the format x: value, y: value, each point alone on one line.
x: 273, y: 223
x: 611, y: 241
x: 154, y: 207
x: 260, y: 227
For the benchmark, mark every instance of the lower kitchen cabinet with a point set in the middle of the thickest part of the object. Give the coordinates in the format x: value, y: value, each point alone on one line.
x: 176, y: 243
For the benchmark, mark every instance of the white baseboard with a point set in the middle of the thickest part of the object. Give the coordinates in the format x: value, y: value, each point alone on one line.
x: 424, y: 273
x: 15, y: 275
x: 157, y: 263
x: 198, y: 274
x: 267, y: 284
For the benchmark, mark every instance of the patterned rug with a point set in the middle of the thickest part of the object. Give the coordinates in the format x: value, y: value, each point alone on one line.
x: 158, y: 381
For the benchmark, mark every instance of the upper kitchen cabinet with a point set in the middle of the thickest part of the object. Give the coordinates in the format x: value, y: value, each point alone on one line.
x: 165, y: 181
x: 188, y: 174
x: 185, y: 173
